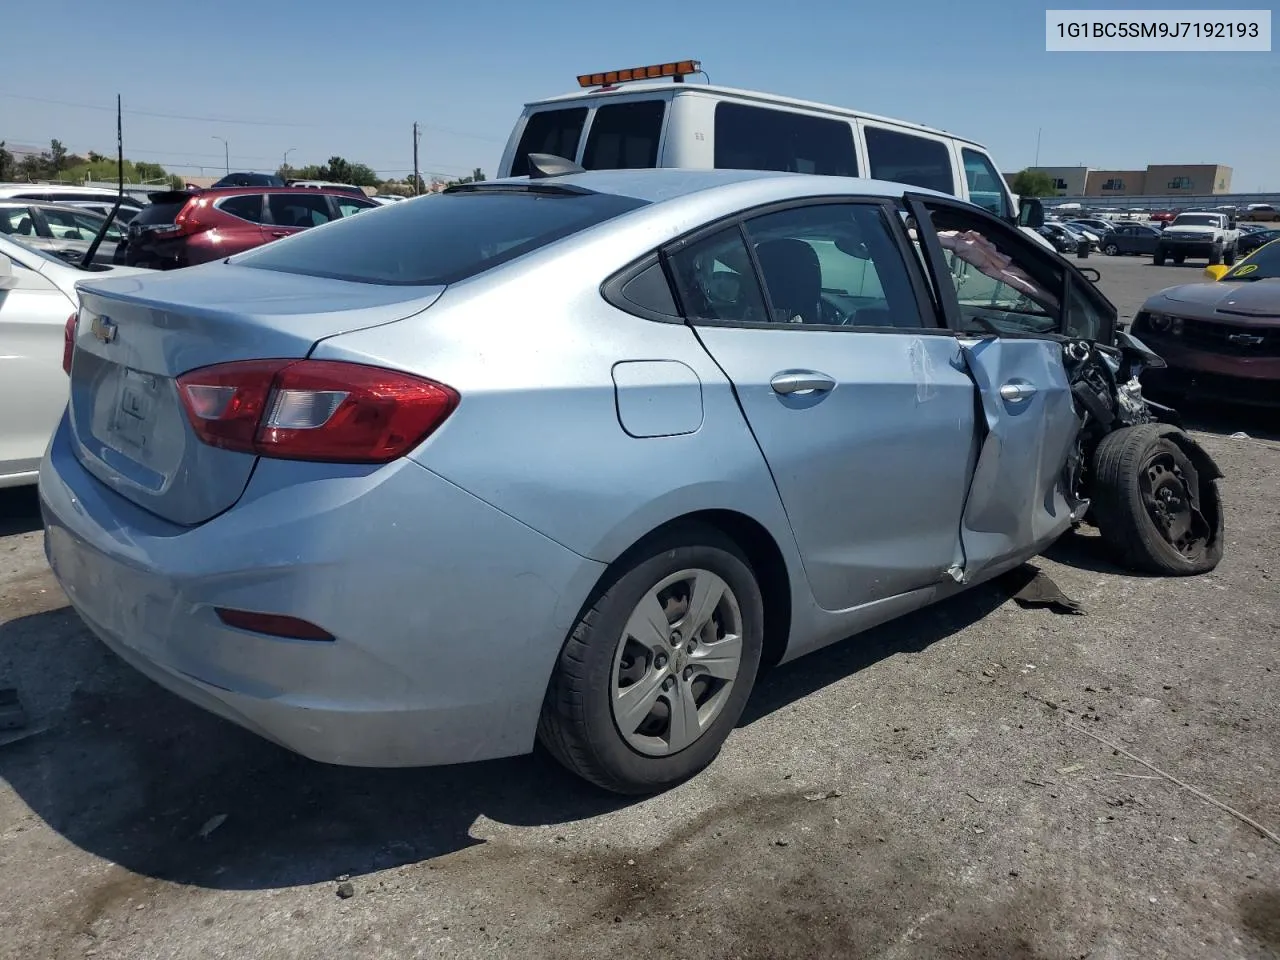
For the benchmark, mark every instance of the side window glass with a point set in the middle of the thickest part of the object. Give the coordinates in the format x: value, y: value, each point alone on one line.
x: 62, y: 224
x: 625, y: 136
x: 1000, y: 283
x: 833, y: 265
x: 716, y: 280
x: 650, y: 291
x: 246, y: 207
x: 985, y: 188
x: 1084, y: 319
x: 347, y: 207
x: 549, y: 131
x: 759, y: 138
x: 298, y: 209
x: 17, y: 221
x: 905, y: 158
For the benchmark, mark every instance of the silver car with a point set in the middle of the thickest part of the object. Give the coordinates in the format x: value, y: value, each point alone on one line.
x: 37, y: 297
x: 573, y: 457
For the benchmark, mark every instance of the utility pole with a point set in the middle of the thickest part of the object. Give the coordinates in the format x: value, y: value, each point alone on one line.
x: 284, y: 165
x: 226, y: 151
x: 416, y: 178
x: 1038, y: 131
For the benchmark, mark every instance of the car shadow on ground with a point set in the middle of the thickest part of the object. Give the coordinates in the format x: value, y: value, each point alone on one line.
x: 130, y: 773
x: 1226, y: 419
x: 19, y: 511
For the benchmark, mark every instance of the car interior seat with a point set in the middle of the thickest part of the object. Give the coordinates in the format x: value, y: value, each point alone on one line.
x: 794, y: 278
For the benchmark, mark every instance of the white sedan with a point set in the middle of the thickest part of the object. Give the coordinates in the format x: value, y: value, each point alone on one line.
x: 38, y: 296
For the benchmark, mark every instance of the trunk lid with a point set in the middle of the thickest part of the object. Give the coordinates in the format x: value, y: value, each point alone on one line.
x: 137, y: 334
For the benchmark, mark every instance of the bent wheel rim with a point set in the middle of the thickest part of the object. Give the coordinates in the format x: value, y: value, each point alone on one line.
x: 1173, y: 506
x: 676, y: 662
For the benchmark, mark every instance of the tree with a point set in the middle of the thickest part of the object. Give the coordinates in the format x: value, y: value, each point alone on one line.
x: 338, y: 170
x: 31, y: 167
x: 477, y: 175
x: 57, y: 156
x: 1033, y: 183
x: 149, y: 171
x: 6, y: 163
x: 362, y: 175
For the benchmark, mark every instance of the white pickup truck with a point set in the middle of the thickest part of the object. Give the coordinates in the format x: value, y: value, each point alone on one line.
x: 1212, y: 236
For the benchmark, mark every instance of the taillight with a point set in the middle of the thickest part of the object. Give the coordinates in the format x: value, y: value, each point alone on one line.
x: 69, y: 342
x: 314, y: 409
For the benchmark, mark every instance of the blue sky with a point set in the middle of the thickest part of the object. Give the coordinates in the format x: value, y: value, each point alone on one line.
x: 330, y: 78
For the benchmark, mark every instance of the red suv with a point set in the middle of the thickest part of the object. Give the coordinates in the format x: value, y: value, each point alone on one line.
x: 180, y: 229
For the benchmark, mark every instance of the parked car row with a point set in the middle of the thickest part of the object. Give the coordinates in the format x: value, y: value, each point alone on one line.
x: 182, y: 228
x: 1220, y: 337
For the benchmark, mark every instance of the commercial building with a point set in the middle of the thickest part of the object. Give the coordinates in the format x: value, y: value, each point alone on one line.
x: 1169, y: 180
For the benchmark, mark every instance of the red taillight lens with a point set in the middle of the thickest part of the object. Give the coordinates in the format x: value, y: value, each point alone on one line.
x: 314, y: 409
x: 188, y: 219
x: 69, y: 342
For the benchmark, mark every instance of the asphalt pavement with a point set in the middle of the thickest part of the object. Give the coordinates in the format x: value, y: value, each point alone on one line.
x: 974, y: 780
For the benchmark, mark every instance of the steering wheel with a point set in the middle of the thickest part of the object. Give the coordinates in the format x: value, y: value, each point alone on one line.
x: 831, y: 315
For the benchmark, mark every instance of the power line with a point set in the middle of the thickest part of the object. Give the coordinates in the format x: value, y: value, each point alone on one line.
x: 227, y: 120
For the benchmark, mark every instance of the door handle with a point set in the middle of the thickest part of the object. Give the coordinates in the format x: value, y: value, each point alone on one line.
x: 1017, y: 392
x: 279, y: 233
x: 802, y: 381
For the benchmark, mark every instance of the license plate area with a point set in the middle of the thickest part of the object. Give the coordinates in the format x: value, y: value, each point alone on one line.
x: 134, y: 413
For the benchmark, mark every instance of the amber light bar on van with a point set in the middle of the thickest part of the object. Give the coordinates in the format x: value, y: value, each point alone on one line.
x: 677, y: 69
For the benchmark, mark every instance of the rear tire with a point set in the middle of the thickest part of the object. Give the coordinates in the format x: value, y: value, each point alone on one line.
x: 1158, y: 257
x: 1229, y: 258
x: 692, y: 707
x: 1154, y: 509
x: 1215, y: 255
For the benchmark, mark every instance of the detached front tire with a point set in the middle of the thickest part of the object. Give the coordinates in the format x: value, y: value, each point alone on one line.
x: 1156, y: 501
x: 657, y: 671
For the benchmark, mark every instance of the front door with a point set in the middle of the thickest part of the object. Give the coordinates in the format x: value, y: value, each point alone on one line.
x: 861, y: 405
x: 1006, y: 298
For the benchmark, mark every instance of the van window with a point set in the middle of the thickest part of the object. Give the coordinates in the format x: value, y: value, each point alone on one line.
x: 905, y: 158
x: 759, y: 138
x: 549, y: 131
x: 625, y: 136
x: 985, y: 189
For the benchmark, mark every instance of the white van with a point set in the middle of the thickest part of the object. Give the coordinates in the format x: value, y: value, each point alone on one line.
x: 678, y: 124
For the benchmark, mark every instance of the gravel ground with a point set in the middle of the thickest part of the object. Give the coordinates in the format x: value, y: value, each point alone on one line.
x: 934, y: 788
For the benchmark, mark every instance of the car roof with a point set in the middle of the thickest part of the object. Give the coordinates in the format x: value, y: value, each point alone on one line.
x: 741, y: 94
x: 239, y: 191
x: 50, y: 204
x: 655, y: 184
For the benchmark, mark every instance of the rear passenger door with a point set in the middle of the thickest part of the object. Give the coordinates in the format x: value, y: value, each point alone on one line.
x: 859, y: 402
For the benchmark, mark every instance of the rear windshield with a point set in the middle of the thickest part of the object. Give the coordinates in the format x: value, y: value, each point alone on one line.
x: 438, y: 239
x: 161, y: 212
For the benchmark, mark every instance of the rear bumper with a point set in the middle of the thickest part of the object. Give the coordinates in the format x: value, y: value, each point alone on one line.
x: 448, y: 614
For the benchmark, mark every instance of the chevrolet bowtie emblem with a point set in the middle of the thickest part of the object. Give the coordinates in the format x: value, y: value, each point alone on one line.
x: 104, y: 328
x: 1245, y: 339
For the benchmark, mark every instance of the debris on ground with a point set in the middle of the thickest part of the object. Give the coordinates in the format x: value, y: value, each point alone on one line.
x: 345, y: 890
x: 828, y: 795
x: 1030, y: 586
x: 210, y: 825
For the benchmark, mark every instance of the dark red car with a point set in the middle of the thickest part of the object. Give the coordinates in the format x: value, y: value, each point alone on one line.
x: 181, y: 228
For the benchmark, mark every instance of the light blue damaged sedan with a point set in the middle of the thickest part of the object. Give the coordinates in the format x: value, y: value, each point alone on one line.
x: 572, y: 457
